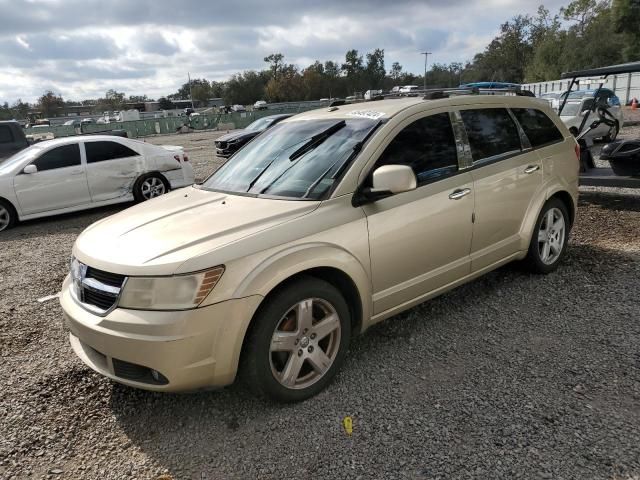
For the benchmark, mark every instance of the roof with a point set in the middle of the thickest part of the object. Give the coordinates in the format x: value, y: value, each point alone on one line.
x: 390, y: 107
x: 77, y: 138
x: 630, y: 67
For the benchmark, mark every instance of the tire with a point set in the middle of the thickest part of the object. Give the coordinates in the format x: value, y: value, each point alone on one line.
x: 548, y: 247
x: 613, y: 133
x: 285, y: 358
x: 150, y: 186
x: 8, y: 216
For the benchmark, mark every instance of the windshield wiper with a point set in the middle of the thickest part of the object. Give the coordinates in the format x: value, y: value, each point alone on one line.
x: 354, y: 151
x: 317, y: 139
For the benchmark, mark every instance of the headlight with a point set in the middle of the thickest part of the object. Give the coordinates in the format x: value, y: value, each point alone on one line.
x: 178, y: 292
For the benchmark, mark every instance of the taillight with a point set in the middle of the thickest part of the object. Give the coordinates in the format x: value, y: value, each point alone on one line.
x: 176, y: 158
x: 578, y: 151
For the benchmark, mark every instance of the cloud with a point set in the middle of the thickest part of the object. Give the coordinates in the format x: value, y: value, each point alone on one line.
x: 81, y: 48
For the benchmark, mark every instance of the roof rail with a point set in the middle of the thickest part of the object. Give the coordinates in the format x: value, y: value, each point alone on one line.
x: 438, y: 93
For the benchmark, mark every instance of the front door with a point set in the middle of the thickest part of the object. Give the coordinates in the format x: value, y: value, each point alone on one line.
x: 420, y: 240
x: 60, y: 182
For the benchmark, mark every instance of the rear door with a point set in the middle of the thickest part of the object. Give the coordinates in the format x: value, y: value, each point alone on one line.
x: 506, y: 175
x: 112, y: 169
x: 60, y: 181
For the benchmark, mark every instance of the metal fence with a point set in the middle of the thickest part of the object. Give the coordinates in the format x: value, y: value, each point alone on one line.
x: 161, y: 126
x: 626, y: 86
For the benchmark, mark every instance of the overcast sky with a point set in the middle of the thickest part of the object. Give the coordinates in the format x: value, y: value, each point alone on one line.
x: 81, y: 48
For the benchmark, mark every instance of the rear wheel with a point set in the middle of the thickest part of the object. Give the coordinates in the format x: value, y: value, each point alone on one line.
x: 299, y: 341
x: 549, y: 240
x: 8, y: 215
x: 150, y: 186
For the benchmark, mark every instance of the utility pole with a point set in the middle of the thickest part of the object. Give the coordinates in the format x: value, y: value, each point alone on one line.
x: 426, y: 56
x: 190, y: 93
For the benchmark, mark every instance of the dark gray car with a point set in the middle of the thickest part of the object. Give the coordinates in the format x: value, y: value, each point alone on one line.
x: 230, y: 143
x: 12, y: 139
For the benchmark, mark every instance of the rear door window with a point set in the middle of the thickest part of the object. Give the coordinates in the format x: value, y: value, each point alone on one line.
x: 491, y: 132
x: 537, y: 126
x: 105, y: 150
x: 427, y: 145
x: 59, y: 157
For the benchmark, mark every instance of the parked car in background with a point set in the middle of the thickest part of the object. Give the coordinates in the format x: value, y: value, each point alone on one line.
x: 260, y: 105
x: 12, y: 139
x: 74, y: 173
x: 581, y: 103
x: 323, y: 225
x: 230, y: 143
x: 554, y: 99
x: 408, y: 89
x: 238, y: 108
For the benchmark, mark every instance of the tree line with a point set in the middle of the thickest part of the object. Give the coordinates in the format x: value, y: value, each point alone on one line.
x: 528, y: 48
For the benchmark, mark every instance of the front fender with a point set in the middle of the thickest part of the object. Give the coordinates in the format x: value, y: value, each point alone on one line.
x: 280, y: 266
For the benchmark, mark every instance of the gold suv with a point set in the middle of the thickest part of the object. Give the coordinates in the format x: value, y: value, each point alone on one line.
x: 323, y: 225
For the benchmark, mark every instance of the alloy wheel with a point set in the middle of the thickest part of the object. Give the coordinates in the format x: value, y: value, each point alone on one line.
x: 305, y: 343
x: 5, y: 217
x: 152, y: 187
x: 551, y: 236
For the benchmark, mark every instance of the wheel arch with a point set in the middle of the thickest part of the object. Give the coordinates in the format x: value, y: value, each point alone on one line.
x: 11, y: 206
x: 141, y: 177
x: 326, y: 262
x: 567, y: 200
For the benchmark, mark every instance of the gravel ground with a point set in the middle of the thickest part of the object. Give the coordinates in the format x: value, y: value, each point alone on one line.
x: 510, y: 376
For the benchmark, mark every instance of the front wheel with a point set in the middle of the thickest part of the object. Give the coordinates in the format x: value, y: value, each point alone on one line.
x: 299, y: 341
x: 549, y: 240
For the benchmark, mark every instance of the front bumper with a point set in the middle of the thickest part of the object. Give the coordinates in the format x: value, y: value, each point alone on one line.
x: 191, y: 349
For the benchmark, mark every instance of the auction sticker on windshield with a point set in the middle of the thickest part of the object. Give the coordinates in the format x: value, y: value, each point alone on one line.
x: 372, y: 114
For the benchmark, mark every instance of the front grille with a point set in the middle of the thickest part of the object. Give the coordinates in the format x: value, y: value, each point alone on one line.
x: 99, y: 289
x: 112, y: 279
x: 103, y: 301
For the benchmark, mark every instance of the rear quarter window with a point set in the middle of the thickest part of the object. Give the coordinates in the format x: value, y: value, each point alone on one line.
x: 537, y: 126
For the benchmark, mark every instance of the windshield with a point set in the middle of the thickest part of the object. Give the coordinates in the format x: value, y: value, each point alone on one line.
x: 27, y: 154
x: 259, y: 124
x: 299, y: 159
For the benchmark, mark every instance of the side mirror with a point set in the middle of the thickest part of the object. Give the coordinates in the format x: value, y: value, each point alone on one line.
x: 29, y: 169
x: 393, y: 179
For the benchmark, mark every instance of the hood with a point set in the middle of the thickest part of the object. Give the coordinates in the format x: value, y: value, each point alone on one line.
x: 240, y: 135
x: 157, y: 236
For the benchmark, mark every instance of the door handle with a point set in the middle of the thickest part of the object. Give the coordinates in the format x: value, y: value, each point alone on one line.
x: 532, y: 168
x: 459, y: 193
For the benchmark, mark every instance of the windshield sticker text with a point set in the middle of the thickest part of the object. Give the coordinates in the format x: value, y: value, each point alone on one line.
x: 366, y: 114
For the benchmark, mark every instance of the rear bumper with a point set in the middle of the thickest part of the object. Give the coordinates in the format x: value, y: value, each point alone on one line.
x: 190, y: 349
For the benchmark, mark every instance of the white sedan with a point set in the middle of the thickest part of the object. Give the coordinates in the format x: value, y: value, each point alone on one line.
x: 75, y: 173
